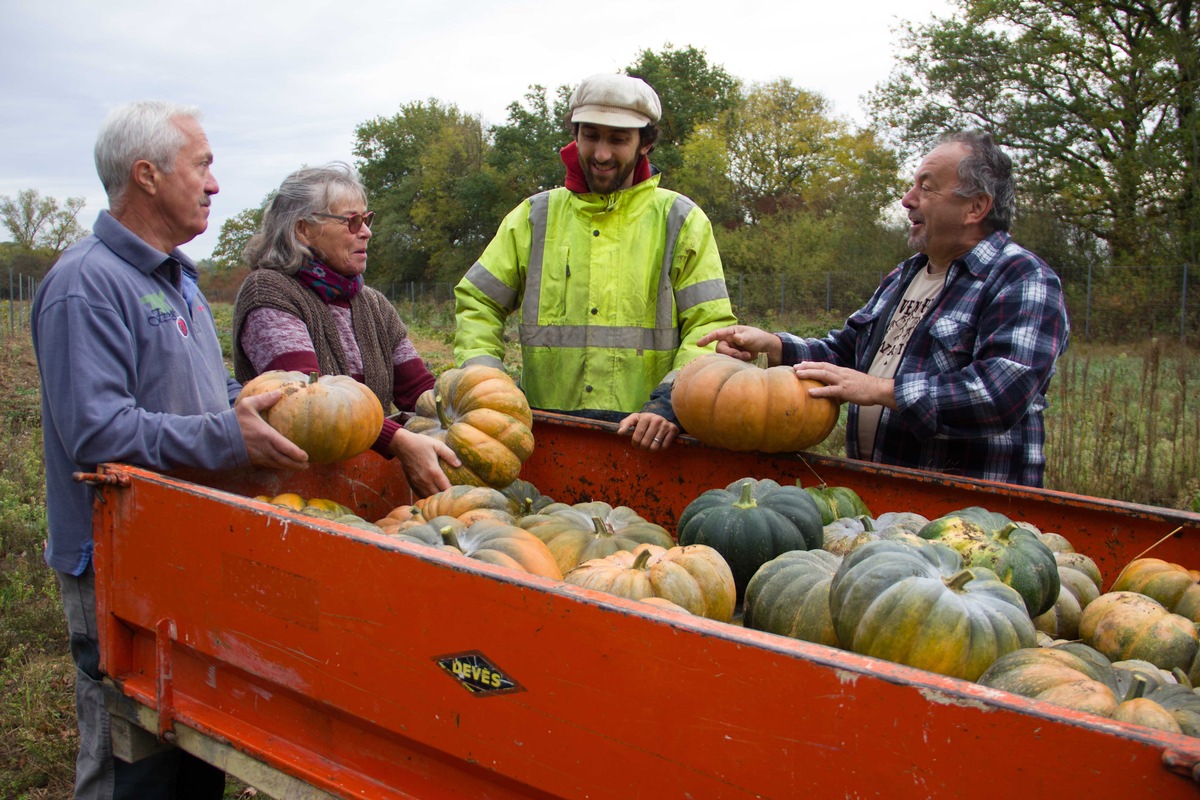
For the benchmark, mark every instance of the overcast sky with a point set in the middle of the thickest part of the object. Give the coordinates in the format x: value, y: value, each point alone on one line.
x: 283, y: 84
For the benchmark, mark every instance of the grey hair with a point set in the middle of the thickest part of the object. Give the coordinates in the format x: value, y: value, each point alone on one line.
x: 140, y: 131
x: 302, y: 195
x: 986, y: 169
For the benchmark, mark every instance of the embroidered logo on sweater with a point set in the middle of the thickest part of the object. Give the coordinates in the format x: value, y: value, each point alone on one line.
x: 161, y: 312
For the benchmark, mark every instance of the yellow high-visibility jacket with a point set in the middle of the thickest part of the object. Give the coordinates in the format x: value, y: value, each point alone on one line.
x: 614, y: 292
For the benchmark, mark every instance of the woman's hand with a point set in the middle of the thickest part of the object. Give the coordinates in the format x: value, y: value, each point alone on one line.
x: 419, y: 456
x: 745, y: 342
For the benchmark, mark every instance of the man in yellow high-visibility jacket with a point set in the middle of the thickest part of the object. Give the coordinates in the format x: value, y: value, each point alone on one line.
x: 616, y: 279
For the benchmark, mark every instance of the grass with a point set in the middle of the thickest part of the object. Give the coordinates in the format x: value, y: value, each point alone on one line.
x: 1124, y: 423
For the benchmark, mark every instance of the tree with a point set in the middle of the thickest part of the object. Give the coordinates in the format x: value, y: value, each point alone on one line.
x: 424, y: 170
x: 1098, y: 102
x: 37, y: 223
x: 693, y: 93
x: 525, y: 150
x: 235, y: 235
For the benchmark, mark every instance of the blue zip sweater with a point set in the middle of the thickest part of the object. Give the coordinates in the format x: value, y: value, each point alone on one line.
x: 131, y: 371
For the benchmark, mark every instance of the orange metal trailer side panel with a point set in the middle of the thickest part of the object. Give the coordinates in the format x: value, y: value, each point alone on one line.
x: 315, y: 648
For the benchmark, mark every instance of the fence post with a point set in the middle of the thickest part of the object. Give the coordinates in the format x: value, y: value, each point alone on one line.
x: 412, y: 302
x: 741, y: 308
x: 11, y: 322
x: 782, y: 282
x: 828, y: 291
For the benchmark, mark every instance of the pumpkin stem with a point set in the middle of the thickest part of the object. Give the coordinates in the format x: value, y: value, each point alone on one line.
x: 1181, y: 677
x: 601, y: 527
x: 441, y: 410
x: 747, y: 499
x: 958, y: 580
x: 448, y: 537
x: 642, y: 557
x: 1137, y: 688
x: 313, y: 377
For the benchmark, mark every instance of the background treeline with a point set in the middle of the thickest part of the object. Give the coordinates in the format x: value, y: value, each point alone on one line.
x: 1098, y: 103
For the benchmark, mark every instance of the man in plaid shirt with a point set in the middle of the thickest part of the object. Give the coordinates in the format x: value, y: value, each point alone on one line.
x: 947, y: 366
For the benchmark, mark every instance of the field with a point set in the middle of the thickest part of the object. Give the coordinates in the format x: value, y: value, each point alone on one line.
x: 1124, y: 423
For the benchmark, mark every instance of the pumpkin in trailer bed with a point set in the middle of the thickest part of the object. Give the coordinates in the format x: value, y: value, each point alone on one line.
x: 496, y: 542
x: 749, y: 522
x: 1072, y: 675
x: 1128, y: 625
x: 837, y: 502
x: 1172, y: 585
x: 1080, y: 583
x: 735, y: 405
x: 919, y: 606
x: 849, y: 533
x: 789, y: 595
x: 330, y: 417
x: 481, y: 414
x: 525, y: 498
x: 1016, y: 554
x: 581, y: 532
x: 694, y: 577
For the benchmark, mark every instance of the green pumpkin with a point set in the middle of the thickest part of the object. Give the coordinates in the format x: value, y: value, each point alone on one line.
x: 919, y: 606
x: 525, y: 498
x: 835, y: 502
x: 1079, y: 579
x: 1016, y: 554
x: 751, y: 522
x: 789, y: 595
x: 1072, y: 675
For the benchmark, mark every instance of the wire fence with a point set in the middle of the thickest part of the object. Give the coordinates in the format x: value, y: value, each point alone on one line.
x: 1105, y: 304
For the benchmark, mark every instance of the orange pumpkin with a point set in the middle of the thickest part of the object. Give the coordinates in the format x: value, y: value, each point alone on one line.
x: 735, y: 405
x: 496, y: 542
x: 1172, y: 585
x: 581, y: 532
x: 695, y: 577
x: 1128, y: 625
x: 484, y: 418
x: 330, y: 417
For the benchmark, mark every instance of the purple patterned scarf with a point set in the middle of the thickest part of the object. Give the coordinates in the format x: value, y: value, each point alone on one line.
x: 328, y: 284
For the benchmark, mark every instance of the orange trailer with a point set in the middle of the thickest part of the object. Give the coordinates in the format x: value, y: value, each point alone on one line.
x: 316, y: 660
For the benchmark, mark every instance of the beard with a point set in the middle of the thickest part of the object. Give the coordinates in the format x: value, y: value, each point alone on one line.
x: 607, y: 185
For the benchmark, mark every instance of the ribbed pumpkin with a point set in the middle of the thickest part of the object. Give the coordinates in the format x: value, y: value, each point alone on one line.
x: 789, y: 595
x: 1080, y: 582
x: 1175, y: 586
x: 837, y: 502
x: 525, y: 498
x: 919, y: 606
x: 750, y: 522
x: 736, y: 405
x: 1071, y: 675
x: 1125, y: 625
x: 1150, y: 698
x: 330, y: 417
x: 504, y: 545
x: 1014, y: 553
x: 481, y: 414
x: 581, y: 532
x: 849, y: 533
x: 695, y: 577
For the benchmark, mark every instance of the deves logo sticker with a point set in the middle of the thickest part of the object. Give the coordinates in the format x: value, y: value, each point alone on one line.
x: 477, y: 674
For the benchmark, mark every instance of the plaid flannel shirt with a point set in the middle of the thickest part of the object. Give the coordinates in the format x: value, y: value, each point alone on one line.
x: 971, y: 386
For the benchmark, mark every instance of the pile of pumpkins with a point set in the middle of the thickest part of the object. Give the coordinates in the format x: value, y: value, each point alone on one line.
x: 971, y: 595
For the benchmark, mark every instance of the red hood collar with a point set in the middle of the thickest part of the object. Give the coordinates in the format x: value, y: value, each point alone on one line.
x: 577, y: 183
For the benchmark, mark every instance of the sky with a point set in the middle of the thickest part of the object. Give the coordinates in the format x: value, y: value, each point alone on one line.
x: 283, y: 84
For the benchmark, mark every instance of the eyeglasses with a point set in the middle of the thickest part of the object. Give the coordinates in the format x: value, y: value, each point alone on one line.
x: 354, y: 221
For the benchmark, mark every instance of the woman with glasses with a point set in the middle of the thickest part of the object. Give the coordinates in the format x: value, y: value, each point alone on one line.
x: 304, y: 307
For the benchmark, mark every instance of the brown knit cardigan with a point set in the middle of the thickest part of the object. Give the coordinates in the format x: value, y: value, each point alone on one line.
x: 377, y: 328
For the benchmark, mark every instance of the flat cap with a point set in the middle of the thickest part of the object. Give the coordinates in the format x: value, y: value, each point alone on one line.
x: 619, y: 101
